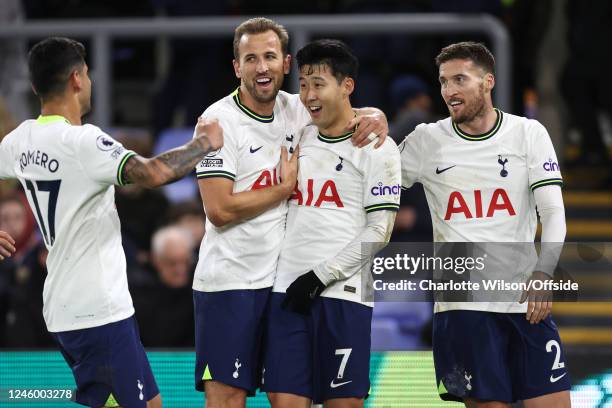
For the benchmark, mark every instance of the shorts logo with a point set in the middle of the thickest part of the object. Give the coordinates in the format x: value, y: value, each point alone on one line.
x: 237, y: 364
x: 140, y: 387
x: 334, y: 385
x: 554, y: 379
x: 104, y: 143
x: 550, y: 165
x: 468, y: 378
x: 382, y: 190
x: 212, y: 163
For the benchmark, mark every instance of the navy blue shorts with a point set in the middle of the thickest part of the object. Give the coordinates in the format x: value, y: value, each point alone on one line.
x: 229, y: 326
x: 496, y: 356
x: 109, y: 365
x: 321, y: 356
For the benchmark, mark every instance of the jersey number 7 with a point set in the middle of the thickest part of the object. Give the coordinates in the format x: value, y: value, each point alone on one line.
x: 52, y: 187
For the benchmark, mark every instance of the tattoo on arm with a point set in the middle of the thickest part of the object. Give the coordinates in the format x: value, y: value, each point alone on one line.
x: 165, y: 168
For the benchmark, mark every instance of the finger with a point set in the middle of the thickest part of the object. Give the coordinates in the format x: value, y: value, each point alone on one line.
x: 381, y: 140
x: 296, y: 153
x: 361, y: 134
x: 530, y: 307
x: 7, y: 246
x: 284, y: 154
x: 523, y: 297
x: 352, y: 123
x: 6, y: 236
x: 4, y: 252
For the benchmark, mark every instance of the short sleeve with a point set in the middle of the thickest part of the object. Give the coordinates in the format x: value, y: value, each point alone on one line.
x: 382, y: 173
x: 6, y: 161
x: 222, y: 162
x: 102, y: 157
x: 411, y: 156
x: 541, y: 158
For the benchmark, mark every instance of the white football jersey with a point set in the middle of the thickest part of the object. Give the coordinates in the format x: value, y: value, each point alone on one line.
x: 338, y: 184
x: 244, y: 255
x: 68, y: 173
x: 479, y: 187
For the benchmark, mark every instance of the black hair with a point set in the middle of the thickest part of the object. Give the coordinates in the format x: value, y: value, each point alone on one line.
x: 476, y: 52
x: 333, y: 53
x: 50, y: 63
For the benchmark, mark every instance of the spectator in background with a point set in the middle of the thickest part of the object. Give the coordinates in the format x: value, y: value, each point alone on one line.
x: 410, y: 96
x: 25, y: 325
x: 189, y: 215
x: 18, y: 221
x: 164, y: 305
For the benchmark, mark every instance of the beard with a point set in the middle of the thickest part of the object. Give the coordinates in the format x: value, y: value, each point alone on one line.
x: 473, y: 109
x: 251, y: 87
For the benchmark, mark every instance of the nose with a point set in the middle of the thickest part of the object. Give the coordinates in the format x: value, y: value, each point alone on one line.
x: 311, y: 95
x: 262, y: 66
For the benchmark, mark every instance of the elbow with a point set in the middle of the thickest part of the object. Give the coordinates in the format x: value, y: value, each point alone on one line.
x: 218, y: 218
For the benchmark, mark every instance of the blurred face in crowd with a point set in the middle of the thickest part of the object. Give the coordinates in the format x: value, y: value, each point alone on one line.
x: 466, y: 89
x: 13, y: 218
x: 174, y: 262
x: 261, y: 66
x: 322, y: 94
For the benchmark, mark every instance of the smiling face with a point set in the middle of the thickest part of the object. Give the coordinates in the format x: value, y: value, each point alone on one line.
x: 322, y: 94
x: 466, y: 89
x: 261, y: 65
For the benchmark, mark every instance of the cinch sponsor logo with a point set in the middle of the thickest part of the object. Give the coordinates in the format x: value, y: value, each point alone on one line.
x: 550, y: 165
x: 382, y: 190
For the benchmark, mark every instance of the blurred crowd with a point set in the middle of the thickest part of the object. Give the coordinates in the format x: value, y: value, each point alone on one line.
x: 162, y: 229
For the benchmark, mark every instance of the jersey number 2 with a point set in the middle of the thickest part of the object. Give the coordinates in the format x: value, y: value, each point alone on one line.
x: 52, y: 187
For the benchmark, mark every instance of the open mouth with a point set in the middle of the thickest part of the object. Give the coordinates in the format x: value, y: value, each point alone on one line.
x: 455, y: 105
x: 264, y: 82
x: 314, y: 110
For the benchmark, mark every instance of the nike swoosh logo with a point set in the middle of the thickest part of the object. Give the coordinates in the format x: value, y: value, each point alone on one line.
x: 334, y: 385
x: 555, y: 379
x: 438, y: 171
x: 254, y: 150
x: 289, y: 139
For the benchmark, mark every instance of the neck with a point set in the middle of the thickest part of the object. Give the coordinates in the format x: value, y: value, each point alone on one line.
x: 70, y: 111
x: 338, y: 125
x: 482, y: 123
x: 261, y: 108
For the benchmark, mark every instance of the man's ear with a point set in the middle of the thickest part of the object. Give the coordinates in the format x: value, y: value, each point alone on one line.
x: 287, y: 64
x: 489, y: 80
x: 348, y: 85
x: 236, y: 65
x: 76, y: 80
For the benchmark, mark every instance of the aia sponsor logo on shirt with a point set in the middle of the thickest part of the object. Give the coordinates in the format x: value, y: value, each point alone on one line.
x: 317, y: 195
x: 499, y: 203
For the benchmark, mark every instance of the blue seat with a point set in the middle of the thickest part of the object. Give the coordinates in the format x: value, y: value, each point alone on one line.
x: 187, y: 188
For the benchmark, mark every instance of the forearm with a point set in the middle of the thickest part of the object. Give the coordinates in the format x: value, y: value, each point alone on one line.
x: 236, y: 207
x: 549, y: 202
x: 356, y: 255
x: 167, y: 167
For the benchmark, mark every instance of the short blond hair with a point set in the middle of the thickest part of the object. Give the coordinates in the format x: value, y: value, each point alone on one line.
x: 260, y: 25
